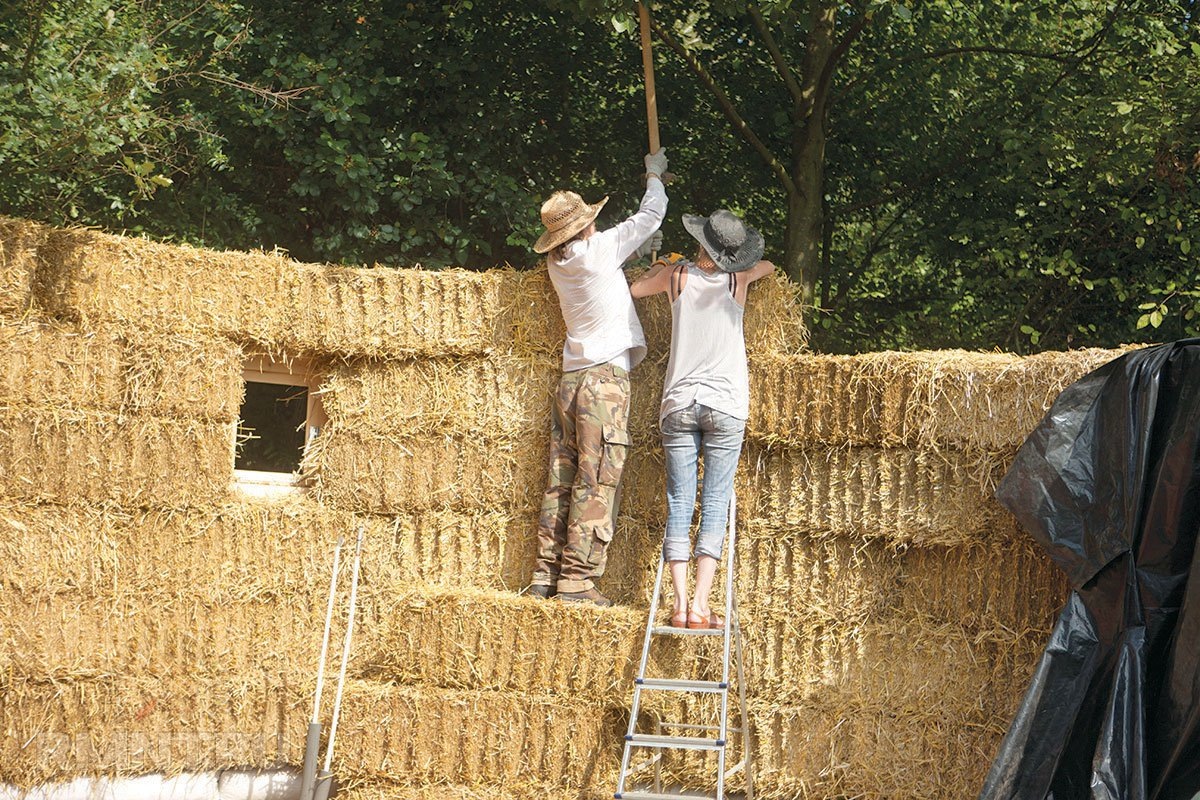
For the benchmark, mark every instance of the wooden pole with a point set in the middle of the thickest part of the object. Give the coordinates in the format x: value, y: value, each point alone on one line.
x: 651, y: 98
x: 648, y: 69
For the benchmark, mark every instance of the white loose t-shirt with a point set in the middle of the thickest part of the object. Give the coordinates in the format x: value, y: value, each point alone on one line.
x: 602, y: 324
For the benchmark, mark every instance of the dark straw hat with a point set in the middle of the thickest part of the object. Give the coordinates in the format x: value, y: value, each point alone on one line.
x: 732, y: 244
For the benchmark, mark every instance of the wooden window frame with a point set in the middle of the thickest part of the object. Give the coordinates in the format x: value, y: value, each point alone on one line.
x: 285, y: 372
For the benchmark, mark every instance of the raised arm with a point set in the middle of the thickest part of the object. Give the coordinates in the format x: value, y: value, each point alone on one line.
x: 627, y: 236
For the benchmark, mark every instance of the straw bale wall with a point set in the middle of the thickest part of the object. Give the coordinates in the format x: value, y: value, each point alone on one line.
x: 154, y: 618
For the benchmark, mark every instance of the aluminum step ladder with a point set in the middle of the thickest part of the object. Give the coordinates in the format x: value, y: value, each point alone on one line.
x: 731, y: 636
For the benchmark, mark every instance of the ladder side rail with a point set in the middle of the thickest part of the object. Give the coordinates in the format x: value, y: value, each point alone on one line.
x: 730, y: 622
x: 641, y: 673
x: 658, y: 730
x: 747, y: 744
x: 654, y: 599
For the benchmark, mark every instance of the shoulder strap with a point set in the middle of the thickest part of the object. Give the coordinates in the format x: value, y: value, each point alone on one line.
x: 677, y: 281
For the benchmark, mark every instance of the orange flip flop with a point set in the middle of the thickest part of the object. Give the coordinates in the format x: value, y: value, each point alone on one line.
x: 697, y: 622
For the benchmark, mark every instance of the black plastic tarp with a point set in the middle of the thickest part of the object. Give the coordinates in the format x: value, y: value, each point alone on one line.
x: 1109, y: 484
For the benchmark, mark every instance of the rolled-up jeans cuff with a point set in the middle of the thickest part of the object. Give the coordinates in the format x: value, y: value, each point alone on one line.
x: 710, y: 544
x: 677, y: 549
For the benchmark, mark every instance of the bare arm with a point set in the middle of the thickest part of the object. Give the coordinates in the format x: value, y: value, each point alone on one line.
x: 760, y: 270
x: 656, y: 280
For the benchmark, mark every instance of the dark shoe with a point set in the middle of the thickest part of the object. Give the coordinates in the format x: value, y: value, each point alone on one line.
x: 541, y: 590
x: 590, y: 596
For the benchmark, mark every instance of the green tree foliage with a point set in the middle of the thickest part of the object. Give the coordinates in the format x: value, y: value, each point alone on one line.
x: 93, y: 119
x: 1036, y: 183
x: 1017, y: 173
x: 424, y: 132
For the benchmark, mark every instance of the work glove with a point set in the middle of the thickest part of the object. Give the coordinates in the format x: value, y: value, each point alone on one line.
x: 651, y: 245
x: 657, y: 162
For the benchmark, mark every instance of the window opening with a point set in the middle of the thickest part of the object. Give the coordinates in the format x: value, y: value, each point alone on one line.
x: 280, y: 416
x: 272, y: 426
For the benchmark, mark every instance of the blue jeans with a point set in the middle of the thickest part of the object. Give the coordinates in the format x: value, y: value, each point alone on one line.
x: 685, y: 435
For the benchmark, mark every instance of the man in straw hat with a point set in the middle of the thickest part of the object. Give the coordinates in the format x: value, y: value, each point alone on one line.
x: 589, y: 433
x: 706, y: 394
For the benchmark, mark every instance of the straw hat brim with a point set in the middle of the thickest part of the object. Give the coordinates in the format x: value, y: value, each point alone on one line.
x: 743, y: 259
x: 552, y: 239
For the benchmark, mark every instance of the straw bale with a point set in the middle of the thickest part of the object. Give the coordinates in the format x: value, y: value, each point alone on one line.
x: 506, y: 790
x: 987, y: 585
x: 421, y: 736
x: 67, y: 456
x: 819, y: 750
x: 169, y: 631
x: 645, y: 398
x: 47, y: 364
x: 357, y: 311
x: 183, y: 376
x: 389, y: 473
x: 51, y: 365
x: 529, y: 321
x: 813, y: 400
x: 412, y: 735
x: 906, y: 496
x: 828, y: 579
x: 19, y: 243
x: 468, y: 639
x: 987, y: 400
x: 902, y: 659
x: 644, y: 485
x: 90, y: 277
x: 935, y: 399
x: 265, y: 298
x: 250, y: 552
x: 820, y: 579
x: 492, y: 397
x: 54, y: 730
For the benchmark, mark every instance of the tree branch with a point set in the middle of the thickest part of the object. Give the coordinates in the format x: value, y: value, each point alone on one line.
x: 727, y: 108
x: 839, y: 50
x: 781, y: 65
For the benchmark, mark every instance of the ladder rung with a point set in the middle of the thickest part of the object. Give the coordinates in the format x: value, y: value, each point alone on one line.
x: 679, y: 742
x: 658, y: 796
x: 735, y: 769
x: 671, y: 684
x: 687, y: 726
x: 667, y: 630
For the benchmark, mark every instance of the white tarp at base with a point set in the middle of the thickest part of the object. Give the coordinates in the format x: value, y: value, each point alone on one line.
x: 230, y: 784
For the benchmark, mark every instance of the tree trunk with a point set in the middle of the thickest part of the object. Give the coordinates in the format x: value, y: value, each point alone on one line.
x: 806, y: 205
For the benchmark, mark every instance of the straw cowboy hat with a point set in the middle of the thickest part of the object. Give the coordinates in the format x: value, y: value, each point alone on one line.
x: 732, y: 244
x: 564, y: 215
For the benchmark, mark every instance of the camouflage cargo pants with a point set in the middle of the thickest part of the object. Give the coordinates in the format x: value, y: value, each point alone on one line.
x: 589, y: 438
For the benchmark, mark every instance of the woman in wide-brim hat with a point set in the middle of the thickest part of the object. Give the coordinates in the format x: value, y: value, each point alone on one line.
x: 589, y: 424
x: 706, y: 394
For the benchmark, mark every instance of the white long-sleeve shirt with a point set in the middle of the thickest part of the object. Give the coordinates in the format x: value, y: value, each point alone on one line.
x: 602, y: 324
